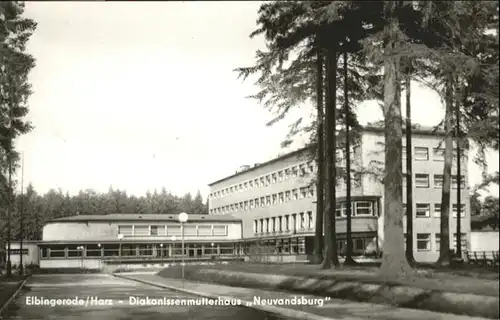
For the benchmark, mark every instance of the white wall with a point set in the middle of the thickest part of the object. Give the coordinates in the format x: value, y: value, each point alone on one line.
x: 101, y: 231
x: 31, y: 258
x: 484, y: 241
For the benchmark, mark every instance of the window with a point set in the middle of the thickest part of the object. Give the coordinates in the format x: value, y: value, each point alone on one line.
x: 404, y: 209
x: 310, y: 218
x: 125, y: 230
x: 251, y: 204
x: 303, y: 193
x: 340, y: 210
x: 359, y: 244
x: 262, y: 201
x: 268, y: 227
x: 295, y: 194
x: 255, y: 226
x: 275, y: 198
x: 274, y: 178
x: 190, y: 230
x: 462, y: 210
x: 262, y: 182
x: 454, y: 182
x: 154, y: 230
x: 273, y: 220
x: 438, y: 241
x: 423, y: 241
x: 438, y: 180
x: 256, y: 183
x: 257, y: 202
x: 173, y: 230
x: 421, y: 154
x: 219, y: 230
x: 280, y: 224
x: 250, y: 184
x: 204, y: 230
x: 421, y: 180
x: 438, y: 154
x: 463, y: 241
x: 261, y: 224
x: 310, y: 166
x: 268, y: 200
x: 423, y: 210
x: 302, y: 220
x: 287, y: 223
x: 280, y: 176
x: 245, y: 205
x: 364, y: 208
x: 141, y: 230
x: 295, y: 172
x: 437, y: 210
x: 268, y: 180
x: 287, y: 174
x: 303, y: 170
x: 311, y: 192
x: 288, y: 196
x: 281, y: 197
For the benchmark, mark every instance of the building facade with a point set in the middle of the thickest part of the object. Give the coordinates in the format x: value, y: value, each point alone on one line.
x: 117, y: 240
x: 276, y: 200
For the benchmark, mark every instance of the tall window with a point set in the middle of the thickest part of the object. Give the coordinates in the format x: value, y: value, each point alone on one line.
x: 423, y: 210
x: 302, y: 220
x: 287, y: 223
x: 454, y: 182
x: 154, y: 230
x: 421, y: 180
x: 280, y: 223
x: 438, y: 241
x: 295, y: 194
x: 310, y: 219
x: 437, y: 210
x: 275, y: 198
x: 463, y: 241
x: 423, y: 241
x: 288, y: 196
x: 462, y: 210
x: 438, y: 154
x: 273, y: 221
x: 303, y: 193
x: 438, y: 180
x: 281, y: 197
x: 364, y: 208
x: 421, y: 154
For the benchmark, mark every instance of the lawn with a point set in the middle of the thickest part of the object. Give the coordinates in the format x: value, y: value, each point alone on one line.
x: 8, y: 286
x: 466, y: 279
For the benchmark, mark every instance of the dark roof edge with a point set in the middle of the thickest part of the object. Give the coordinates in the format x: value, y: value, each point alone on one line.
x: 417, y: 129
x: 290, y: 154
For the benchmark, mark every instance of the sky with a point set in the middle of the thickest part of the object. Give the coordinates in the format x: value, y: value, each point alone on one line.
x: 143, y: 95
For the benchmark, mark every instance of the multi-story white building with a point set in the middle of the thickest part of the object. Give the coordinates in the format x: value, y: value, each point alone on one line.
x: 276, y: 200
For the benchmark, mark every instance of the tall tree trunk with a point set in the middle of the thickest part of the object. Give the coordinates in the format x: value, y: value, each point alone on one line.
x: 444, y: 245
x: 348, y: 258
x: 318, y: 233
x: 9, y: 216
x: 409, y: 172
x: 21, y: 221
x: 394, y: 262
x: 331, y: 258
x: 458, y: 240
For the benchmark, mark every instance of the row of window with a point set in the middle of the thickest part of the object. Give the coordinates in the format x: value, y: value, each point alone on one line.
x: 285, y: 223
x: 267, y: 179
x: 422, y: 180
x: 423, y: 210
x: 422, y: 154
x: 172, y: 230
x: 358, y: 208
x: 266, y: 201
x: 423, y: 241
x: 277, y: 246
x: 141, y: 250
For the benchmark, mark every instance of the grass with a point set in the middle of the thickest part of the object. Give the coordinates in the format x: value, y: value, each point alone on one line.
x: 440, y: 279
x: 8, y: 287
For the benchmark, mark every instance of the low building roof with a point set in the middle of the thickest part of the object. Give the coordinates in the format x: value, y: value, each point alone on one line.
x: 146, y: 217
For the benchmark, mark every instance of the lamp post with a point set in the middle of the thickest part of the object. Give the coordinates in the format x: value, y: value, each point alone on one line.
x: 120, y: 238
x: 100, y: 255
x: 80, y: 248
x: 161, y: 253
x: 183, y: 217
